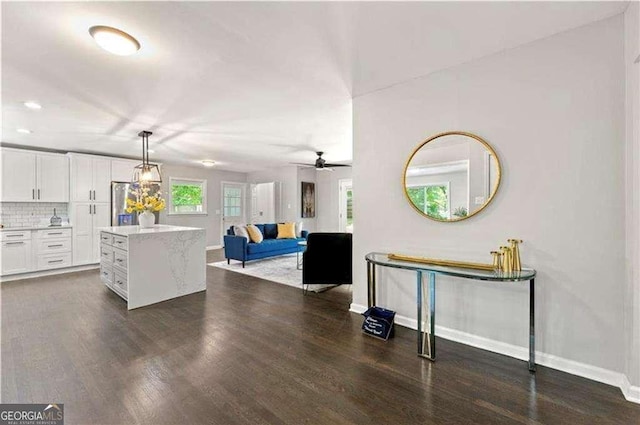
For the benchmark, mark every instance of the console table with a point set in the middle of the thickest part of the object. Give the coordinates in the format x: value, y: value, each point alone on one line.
x: 382, y: 260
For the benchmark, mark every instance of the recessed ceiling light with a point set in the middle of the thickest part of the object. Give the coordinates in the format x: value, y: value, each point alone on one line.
x: 32, y: 105
x: 114, y: 40
x: 23, y: 131
x: 208, y: 163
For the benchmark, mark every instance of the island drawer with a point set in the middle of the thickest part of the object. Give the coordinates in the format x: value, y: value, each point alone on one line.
x: 106, y: 238
x: 53, y: 234
x: 120, y: 242
x: 53, y: 261
x: 50, y: 246
x: 106, y: 253
x: 106, y: 274
x: 15, y: 235
x: 120, y: 281
x: 120, y: 258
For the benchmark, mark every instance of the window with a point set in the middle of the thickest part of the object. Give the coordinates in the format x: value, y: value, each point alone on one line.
x: 433, y: 199
x: 232, y: 202
x: 188, y: 196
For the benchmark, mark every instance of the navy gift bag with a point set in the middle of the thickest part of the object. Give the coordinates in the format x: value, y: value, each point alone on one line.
x: 378, y: 322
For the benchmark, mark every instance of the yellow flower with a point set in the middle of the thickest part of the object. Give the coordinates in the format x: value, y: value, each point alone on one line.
x: 129, y: 210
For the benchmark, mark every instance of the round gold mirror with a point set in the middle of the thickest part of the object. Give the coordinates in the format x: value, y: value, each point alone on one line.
x: 451, y: 176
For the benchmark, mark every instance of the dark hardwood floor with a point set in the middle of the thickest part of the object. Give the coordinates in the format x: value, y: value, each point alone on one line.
x: 248, y: 351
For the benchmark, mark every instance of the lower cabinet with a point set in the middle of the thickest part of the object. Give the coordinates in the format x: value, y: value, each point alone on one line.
x: 87, y: 218
x: 25, y: 251
x: 113, y: 263
x: 16, y: 257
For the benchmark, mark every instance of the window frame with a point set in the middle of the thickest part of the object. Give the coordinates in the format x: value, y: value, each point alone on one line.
x: 203, y: 184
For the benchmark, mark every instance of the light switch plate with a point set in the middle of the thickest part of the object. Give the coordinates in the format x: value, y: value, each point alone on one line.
x: 479, y: 200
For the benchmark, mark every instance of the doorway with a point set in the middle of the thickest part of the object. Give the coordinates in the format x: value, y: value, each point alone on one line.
x: 233, y: 206
x: 345, y: 205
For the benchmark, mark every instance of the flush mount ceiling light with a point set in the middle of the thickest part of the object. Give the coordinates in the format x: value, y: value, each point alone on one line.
x: 146, y: 172
x: 208, y: 163
x: 32, y: 105
x: 114, y: 40
x: 23, y: 131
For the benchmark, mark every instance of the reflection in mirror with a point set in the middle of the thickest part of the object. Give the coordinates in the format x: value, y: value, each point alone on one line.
x: 452, y: 176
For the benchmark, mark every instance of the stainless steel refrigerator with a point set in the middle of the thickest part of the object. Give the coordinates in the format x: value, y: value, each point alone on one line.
x: 120, y: 191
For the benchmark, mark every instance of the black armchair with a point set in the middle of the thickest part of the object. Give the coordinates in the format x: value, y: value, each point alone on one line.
x: 327, y: 259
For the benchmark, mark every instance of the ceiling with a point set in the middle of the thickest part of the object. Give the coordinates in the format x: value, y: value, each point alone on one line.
x: 247, y: 84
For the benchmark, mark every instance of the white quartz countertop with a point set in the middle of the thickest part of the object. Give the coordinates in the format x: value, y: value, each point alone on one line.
x: 136, y: 230
x: 9, y: 229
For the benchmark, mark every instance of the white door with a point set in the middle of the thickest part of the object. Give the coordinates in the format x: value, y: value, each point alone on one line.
x: 346, y: 205
x: 81, y: 178
x: 101, y: 218
x: 18, y: 176
x: 16, y: 257
x: 122, y: 170
x: 101, y: 180
x: 233, y: 208
x: 82, y: 218
x: 53, y: 178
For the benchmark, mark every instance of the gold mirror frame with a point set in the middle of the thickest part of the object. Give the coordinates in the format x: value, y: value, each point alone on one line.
x: 453, y: 133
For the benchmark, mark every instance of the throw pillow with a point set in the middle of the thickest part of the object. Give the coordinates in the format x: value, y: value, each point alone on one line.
x: 254, y: 233
x: 299, y: 229
x: 270, y: 231
x: 286, y: 231
x: 241, y: 231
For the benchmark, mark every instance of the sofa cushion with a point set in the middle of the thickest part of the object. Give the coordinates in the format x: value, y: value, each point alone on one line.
x: 241, y: 231
x: 286, y: 231
x: 270, y: 231
x: 271, y: 245
x: 254, y: 233
x: 260, y: 227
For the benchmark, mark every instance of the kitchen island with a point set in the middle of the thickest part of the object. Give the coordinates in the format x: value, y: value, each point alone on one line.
x: 146, y: 266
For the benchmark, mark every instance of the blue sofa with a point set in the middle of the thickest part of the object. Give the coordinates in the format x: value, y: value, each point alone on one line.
x: 238, y: 248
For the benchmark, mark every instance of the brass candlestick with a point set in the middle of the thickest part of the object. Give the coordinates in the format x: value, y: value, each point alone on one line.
x: 515, y: 250
x: 496, y: 260
x: 507, y: 259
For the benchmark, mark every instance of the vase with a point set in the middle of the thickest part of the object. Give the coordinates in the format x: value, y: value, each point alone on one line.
x: 146, y: 220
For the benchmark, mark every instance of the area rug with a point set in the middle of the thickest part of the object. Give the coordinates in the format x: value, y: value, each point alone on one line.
x: 280, y: 269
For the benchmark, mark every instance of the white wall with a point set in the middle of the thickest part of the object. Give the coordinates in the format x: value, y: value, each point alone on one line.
x: 632, y: 297
x: 328, y: 198
x: 212, y: 221
x: 554, y: 112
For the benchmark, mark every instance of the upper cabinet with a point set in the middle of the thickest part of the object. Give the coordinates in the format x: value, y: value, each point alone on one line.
x: 29, y: 176
x: 122, y: 169
x: 90, y: 178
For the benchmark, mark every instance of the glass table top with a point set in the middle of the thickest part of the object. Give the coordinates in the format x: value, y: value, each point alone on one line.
x: 382, y: 259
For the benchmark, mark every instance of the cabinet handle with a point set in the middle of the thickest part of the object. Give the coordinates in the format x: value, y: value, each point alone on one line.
x: 89, y: 208
x: 57, y: 233
x: 89, y: 195
x: 38, y: 193
x: 15, y: 236
x: 119, y: 260
x: 94, y: 195
x: 33, y: 194
x: 55, y: 261
x: 54, y: 246
x: 15, y: 243
x: 94, y: 207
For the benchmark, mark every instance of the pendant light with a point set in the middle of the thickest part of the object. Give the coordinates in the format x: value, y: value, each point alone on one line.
x: 146, y: 172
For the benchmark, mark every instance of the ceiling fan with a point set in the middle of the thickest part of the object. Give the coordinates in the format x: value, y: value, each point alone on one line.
x: 321, y: 164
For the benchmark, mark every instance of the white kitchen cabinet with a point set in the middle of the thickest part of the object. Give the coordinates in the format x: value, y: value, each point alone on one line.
x: 122, y: 169
x: 16, y: 257
x: 30, y: 176
x: 52, y: 177
x: 90, y: 178
x: 87, y: 217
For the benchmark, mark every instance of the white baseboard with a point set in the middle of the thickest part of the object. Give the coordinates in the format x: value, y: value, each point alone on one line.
x: 617, y: 379
x: 43, y: 273
x: 209, y: 248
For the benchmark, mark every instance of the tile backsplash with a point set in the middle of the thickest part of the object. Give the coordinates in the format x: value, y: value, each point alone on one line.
x: 22, y: 214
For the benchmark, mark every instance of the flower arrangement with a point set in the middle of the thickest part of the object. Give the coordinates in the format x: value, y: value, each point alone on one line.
x: 144, y: 201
